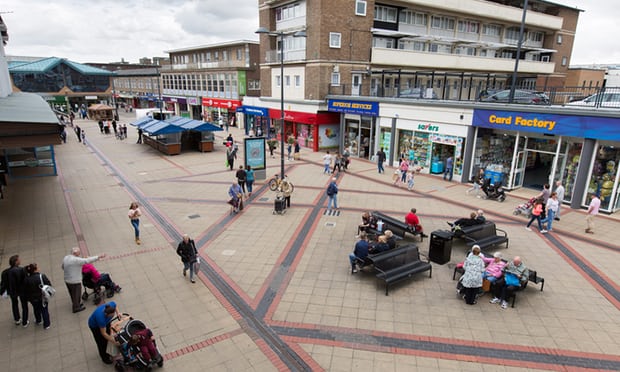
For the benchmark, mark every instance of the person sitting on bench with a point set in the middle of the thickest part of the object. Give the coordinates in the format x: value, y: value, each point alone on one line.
x: 515, y: 278
x: 359, y: 253
x: 391, y: 240
x: 412, y: 220
x: 494, y: 268
x: 381, y: 245
x: 368, y: 222
x: 462, y: 222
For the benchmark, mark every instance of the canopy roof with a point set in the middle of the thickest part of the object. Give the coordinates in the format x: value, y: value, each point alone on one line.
x: 46, y: 64
x: 175, y: 124
x: 192, y: 124
x: 100, y: 107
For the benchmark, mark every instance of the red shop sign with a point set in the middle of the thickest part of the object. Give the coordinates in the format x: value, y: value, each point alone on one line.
x: 305, y: 117
x: 221, y: 103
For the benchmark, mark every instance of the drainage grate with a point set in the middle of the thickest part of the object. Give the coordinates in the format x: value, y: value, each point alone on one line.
x: 193, y: 216
x: 331, y: 213
x: 330, y: 224
x: 263, y: 199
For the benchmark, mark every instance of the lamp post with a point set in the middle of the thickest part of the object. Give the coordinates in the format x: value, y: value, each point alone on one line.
x: 511, y: 96
x: 280, y: 35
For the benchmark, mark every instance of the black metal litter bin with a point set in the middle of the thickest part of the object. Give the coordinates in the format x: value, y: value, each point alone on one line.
x: 440, y: 246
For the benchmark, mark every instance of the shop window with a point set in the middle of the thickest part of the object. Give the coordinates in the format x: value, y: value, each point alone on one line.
x: 604, y: 173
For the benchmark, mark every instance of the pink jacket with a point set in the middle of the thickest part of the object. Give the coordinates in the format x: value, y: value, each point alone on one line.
x: 90, y: 268
x: 494, y: 268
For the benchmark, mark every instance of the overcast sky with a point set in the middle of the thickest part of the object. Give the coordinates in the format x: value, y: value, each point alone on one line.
x: 108, y: 30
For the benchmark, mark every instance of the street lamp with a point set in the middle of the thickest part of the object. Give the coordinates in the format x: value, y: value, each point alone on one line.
x: 519, y: 44
x: 280, y: 35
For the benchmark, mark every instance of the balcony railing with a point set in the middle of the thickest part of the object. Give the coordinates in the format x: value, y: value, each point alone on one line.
x: 273, y: 56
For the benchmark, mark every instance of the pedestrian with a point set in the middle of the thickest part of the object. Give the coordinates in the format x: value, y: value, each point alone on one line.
x: 32, y: 292
x: 332, y: 194
x: 404, y: 168
x: 477, y: 183
x: 552, y: 207
x: 63, y: 135
x: 380, y: 160
x: 139, y: 135
x: 272, y: 146
x: 12, y: 285
x: 593, y: 208
x: 345, y: 159
x: 236, y: 197
x: 134, y: 216
x: 84, y: 137
x: 449, y: 170
x: 78, y: 133
x: 327, y: 162
x: 545, y: 193
x: 241, y: 178
x: 411, y: 157
x: 472, y: 278
x: 188, y: 253
x: 337, y: 163
x: 410, y: 180
x: 296, y: 150
x: 100, y: 123
x: 231, y: 155
x: 124, y: 131
x: 114, y: 127
x: 289, y: 148
x: 98, y: 323
x: 72, y: 266
x: 249, y: 179
x: 559, y: 189
x: 537, y: 211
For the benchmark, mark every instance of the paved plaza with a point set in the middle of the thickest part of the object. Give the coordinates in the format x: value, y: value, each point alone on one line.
x: 275, y: 292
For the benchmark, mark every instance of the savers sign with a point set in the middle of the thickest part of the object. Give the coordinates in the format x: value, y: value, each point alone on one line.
x: 563, y: 125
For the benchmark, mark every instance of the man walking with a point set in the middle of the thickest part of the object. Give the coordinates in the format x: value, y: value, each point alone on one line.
x: 593, y: 208
x: 447, y: 173
x: 332, y: 193
x: 12, y: 284
x: 380, y: 160
x: 559, y: 190
x: 72, y: 266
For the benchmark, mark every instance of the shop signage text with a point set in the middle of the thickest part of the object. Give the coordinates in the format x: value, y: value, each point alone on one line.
x: 428, y: 127
x: 353, y: 107
x: 605, y: 128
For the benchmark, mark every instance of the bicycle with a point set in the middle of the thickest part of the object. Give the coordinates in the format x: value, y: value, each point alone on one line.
x: 281, y: 185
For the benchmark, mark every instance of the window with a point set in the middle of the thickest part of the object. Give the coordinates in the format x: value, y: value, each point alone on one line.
x: 335, y: 78
x: 334, y: 39
x: 491, y: 30
x: 559, y: 39
x: 278, y: 80
x: 297, y: 81
x: 224, y: 55
x: 360, y: 7
x: 288, y: 12
x: 216, y: 55
x: 208, y: 56
x: 239, y: 54
x: 439, y: 48
x: 412, y: 18
x: 564, y: 61
x: 536, y: 36
x: 287, y: 80
x: 512, y: 33
x: 443, y: 23
x: 469, y: 27
x: 385, y: 14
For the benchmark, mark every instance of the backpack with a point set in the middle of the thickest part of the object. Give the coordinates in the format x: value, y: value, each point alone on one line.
x: 331, y: 190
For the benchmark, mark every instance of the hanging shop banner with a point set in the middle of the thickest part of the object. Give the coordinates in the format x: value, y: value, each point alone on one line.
x: 253, y: 110
x: 221, y: 103
x: 353, y: 107
x: 603, y: 128
x: 255, y: 152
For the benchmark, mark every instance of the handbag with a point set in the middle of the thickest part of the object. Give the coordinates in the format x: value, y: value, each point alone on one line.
x: 511, y: 280
x: 197, y: 265
x: 47, y: 291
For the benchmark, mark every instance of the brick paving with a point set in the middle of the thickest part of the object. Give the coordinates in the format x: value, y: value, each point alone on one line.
x: 275, y: 291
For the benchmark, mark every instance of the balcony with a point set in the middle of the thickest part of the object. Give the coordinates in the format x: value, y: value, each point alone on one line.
x: 440, y: 61
x: 204, y: 65
x: 273, y: 56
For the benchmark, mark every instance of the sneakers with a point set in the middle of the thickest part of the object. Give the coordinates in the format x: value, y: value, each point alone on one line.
x: 39, y: 323
x: 26, y: 325
x: 193, y: 280
x: 527, y: 228
x: 18, y: 322
x: 589, y: 231
x: 184, y: 272
x: 504, y: 304
x: 48, y: 327
x: 495, y: 300
x: 543, y: 231
x: 557, y: 218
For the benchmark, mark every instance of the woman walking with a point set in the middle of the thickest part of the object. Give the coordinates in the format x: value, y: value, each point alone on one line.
x: 537, y: 211
x: 472, y: 279
x: 134, y: 216
x: 249, y: 179
x: 32, y: 291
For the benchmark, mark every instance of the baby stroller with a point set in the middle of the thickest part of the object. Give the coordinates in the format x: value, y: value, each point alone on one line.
x: 525, y: 208
x: 130, y: 355
x: 109, y: 285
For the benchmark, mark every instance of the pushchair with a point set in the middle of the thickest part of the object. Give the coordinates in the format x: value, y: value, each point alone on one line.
x: 88, y: 283
x: 130, y: 356
x: 525, y: 208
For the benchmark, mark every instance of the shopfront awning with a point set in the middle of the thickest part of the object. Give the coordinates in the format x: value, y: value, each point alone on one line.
x: 140, y: 123
x: 191, y: 124
x: 161, y: 127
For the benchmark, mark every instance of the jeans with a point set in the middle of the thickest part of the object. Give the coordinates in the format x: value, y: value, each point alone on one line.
x: 326, y: 168
x: 489, y: 277
x: 136, y: 227
x: 249, y: 184
x: 403, y: 176
x: 549, y: 219
x: 189, y: 266
x: 241, y: 184
x: 332, y: 200
x: 41, y: 311
x: 15, y: 300
x: 448, y: 172
x: 537, y: 218
x: 380, y: 167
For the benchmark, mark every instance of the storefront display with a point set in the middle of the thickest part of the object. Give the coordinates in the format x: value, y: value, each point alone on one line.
x: 604, y: 173
x: 573, y: 154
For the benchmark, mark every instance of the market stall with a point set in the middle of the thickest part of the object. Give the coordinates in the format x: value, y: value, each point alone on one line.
x: 100, y: 111
x: 200, y: 134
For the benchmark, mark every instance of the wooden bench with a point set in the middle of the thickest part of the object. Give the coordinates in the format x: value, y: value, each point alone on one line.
x: 485, y: 235
x: 398, y: 227
x: 396, y: 267
x: 372, y: 258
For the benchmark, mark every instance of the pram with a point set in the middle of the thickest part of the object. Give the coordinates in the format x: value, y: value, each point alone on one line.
x: 130, y: 356
x: 525, y: 208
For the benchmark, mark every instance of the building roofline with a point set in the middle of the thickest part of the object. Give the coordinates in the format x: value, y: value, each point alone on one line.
x: 215, y: 45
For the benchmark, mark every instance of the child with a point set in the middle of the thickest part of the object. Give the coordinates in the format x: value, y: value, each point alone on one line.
x: 144, y: 340
x: 396, y: 177
x: 83, y: 137
x: 410, y: 180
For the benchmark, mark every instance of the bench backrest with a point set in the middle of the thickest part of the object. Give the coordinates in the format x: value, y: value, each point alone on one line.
x: 485, y: 230
x: 405, y: 254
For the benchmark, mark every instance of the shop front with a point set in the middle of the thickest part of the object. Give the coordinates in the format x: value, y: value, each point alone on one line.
x: 220, y: 111
x: 255, y: 119
x: 316, y: 131
x: 529, y: 149
x: 194, y: 105
x: 176, y: 104
x: 359, y: 125
x: 429, y: 145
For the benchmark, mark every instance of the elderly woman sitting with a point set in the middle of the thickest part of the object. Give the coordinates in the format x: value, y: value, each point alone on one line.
x: 495, y: 267
x: 381, y: 245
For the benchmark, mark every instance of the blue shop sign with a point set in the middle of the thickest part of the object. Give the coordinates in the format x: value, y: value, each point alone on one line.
x: 353, y: 107
x: 253, y: 110
x: 562, y: 125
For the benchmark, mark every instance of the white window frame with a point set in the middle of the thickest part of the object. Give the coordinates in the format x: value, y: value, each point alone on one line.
x: 559, y: 39
x: 297, y: 81
x: 287, y: 80
x: 469, y: 27
x: 278, y: 80
x: 335, y: 79
x: 335, y: 39
x: 564, y: 61
x: 443, y: 23
x: 386, y: 14
x: 360, y: 7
